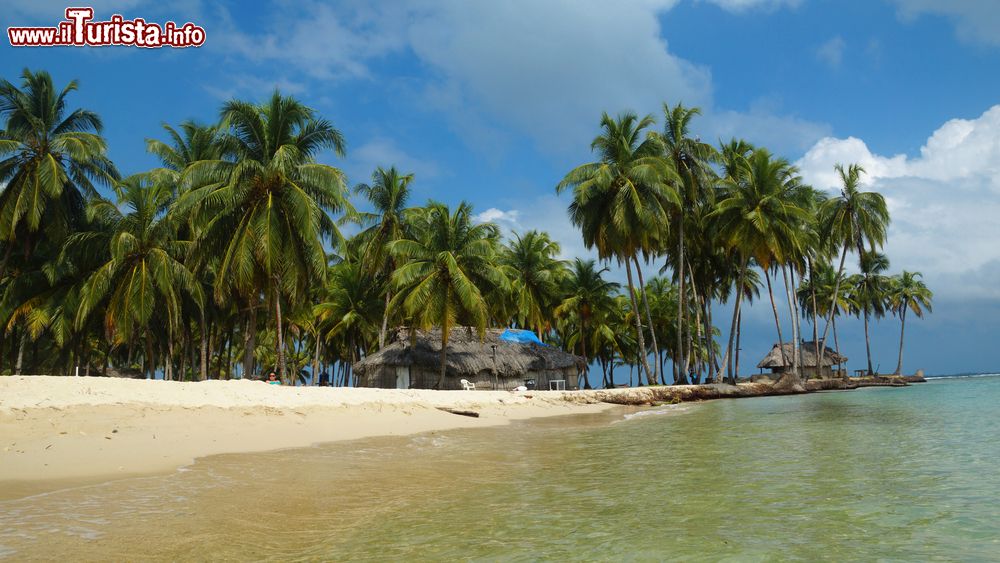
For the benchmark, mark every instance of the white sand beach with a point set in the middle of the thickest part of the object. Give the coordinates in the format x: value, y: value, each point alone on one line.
x: 89, y: 428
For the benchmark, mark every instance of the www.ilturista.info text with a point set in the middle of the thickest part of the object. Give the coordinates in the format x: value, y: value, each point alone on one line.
x: 79, y: 30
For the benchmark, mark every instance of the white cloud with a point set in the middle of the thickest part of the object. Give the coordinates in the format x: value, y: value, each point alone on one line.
x: 543, y: 69
x: 944, y: 202
x: 975, y: 20
x: 832, y: 52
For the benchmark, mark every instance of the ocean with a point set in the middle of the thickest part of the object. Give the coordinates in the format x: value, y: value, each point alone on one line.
x: 881, y: 473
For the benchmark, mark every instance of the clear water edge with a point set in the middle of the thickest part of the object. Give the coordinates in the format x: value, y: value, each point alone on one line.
x: 887, y: 474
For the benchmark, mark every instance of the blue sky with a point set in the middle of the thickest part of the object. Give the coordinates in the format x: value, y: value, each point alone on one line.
x: 493, y: 102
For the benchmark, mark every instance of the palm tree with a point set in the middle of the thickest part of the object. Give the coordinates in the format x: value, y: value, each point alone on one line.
x: 586, y: 293
x: 536, y: 275
x: 350, y: 308
x: 192, y: 143
x: 690, y: 158
x: 758, y: 217
x: 265, y: 208
x: 908, y: 293
x: 50, y: 160
x: 870, y: 293
x: 446, y: 267
x: 851, y: 220
x: 621, y: 202
x: 388, y: 193
x: 143, y: 272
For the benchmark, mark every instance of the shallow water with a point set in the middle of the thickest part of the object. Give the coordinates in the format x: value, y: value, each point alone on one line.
x: 893, y: 474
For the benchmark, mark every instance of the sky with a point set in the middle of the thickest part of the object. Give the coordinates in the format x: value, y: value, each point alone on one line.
x: 493, y: 102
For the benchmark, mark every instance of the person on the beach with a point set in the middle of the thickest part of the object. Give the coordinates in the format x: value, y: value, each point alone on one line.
x: 272, y: 379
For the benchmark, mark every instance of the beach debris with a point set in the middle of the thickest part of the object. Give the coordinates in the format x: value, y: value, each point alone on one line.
x: 461, y: 412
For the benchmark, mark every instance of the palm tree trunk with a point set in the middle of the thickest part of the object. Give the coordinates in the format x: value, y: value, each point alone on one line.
x: 583, y: 350
x: 902, y: 330
x: 792, y: 316
x: 385, y: 321
x: 19, y: 362
x: 279, y: 339
x: 739, y: 340
x: 203, y: 368
x: 638, y: 322
x: 836, y: 340
x: 658, y: 378
x: 679, y: 360
x: 315, y: 362
x: 836, y: 296
x: 250, y: 340
x: 868, y: 345
x: 789, y: 379
x: 815, y: 313
x: 148, y: 360
x: 706, y: 308
x: 731, y: 373
x: 444, y: 350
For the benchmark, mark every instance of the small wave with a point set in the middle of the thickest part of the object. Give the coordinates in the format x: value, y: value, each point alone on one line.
x: 963, y: 376
x: 658, y: 411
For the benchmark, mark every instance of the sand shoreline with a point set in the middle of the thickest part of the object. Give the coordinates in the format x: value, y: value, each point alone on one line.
x: 60, y: 431
x: 56, y: 431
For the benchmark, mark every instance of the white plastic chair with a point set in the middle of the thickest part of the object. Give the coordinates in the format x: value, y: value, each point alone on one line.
x: 467, y: 386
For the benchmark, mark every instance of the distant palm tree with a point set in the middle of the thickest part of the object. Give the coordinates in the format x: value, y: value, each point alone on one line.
x: 870, y: 292
x: 389, y: 193
x: 265, y: 207
x: 851, y: 220
x: 536, y: 275
x: 50, y: 160
x: 349, y: 310
x: 445, y: 268
x: 144, y: 272
x: 908, y: 293
x: 586, y: 293
x: 621, y: 202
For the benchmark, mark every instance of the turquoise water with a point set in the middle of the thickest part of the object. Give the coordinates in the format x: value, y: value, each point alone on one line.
x: 875, y: 474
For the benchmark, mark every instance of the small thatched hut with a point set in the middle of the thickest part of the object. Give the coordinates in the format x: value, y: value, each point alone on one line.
x: 493, y: 363
x: 809, y: 366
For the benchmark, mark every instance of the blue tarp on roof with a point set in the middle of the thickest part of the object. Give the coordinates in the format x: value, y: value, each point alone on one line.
x: 520, y: 336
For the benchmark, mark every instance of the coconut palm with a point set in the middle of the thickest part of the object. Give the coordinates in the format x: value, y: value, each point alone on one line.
x: 758, y: 218
x: 870, y: 291
x: 50, y: 160
x: 621, y: 201
x: 350, y: 309
x: 586, y: 293
x: 144, y: 273
x: 908, y: 292
x: 691, y: 159
x: 446, y: 266
x: 536, y: 276
x: 265, y: 208
x: 388, y: 193
x: 851, y: 220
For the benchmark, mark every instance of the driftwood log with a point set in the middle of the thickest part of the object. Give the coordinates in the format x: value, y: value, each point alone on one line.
x: 461, y: 412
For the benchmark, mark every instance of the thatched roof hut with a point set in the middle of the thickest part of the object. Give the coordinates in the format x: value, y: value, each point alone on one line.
x: 414, y: 361
x: 775, y: 361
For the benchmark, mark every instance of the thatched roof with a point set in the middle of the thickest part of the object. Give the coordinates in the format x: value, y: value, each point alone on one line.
x: 467, y: 355
x: 807, y: 350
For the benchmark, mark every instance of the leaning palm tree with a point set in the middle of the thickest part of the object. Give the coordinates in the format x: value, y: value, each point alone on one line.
x: 143, y: 273
x: 50, y: 161
x: 446, y: 266
x: 851, y: 220
x: 266, y: 207
x: 908, y: 293
x: 536, y: 275
x: 621, y: 202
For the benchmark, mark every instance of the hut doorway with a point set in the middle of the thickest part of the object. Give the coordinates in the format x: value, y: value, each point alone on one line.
x: 402, y: 377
